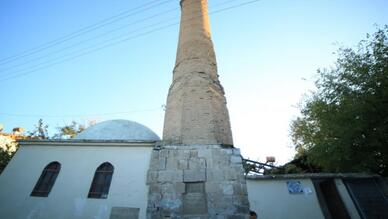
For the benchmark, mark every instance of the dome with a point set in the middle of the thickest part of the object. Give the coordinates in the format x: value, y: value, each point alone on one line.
x: 118, y: 130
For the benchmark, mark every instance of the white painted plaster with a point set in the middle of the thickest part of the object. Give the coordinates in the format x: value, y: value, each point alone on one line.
x: 68, y: 197
x: 271, y: 199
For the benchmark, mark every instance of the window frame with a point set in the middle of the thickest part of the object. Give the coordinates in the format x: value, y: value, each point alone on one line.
x: 46, y: 180
x: 99, y: 188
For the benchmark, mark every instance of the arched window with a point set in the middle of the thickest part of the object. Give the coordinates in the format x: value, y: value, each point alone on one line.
x: 101, y: 181
x: 46, y: 180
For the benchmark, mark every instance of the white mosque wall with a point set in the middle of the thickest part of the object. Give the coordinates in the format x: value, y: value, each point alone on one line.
x: 271, y: 199
x: 68, y: 197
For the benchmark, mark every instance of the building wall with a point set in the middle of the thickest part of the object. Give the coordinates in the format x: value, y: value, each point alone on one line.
x: 270, y: 199
x: 68, y: 197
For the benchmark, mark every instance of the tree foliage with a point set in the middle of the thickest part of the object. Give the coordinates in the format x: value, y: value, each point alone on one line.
x: 40, y: 131
x: 69, y: 131
x: 9, y: 144
x: 5, y: 157
x: 344, y: 123
x: 248, y: 167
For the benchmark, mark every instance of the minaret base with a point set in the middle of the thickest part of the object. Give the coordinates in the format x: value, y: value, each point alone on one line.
x: 196, y: 181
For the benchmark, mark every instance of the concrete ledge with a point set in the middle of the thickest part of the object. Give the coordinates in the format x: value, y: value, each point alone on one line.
x: 160, y: 145
x: 312, y: 175
x: 90, y: 143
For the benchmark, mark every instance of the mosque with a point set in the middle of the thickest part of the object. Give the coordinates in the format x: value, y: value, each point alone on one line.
x: 121, y: 169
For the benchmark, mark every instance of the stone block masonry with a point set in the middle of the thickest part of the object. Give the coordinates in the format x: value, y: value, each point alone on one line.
x: 196, y: 111
x: 196, y: 181
x: 196, y: 173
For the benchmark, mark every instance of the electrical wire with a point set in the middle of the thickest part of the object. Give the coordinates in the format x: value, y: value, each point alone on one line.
x: 117, y: 42
x: 82, y: 31
x: 86, y: 40
x: 80, y: 115
x: 104, y: 34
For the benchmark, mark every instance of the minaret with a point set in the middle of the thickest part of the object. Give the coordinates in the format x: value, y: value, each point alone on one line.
x: 195, y: 172
x: 196, y: 110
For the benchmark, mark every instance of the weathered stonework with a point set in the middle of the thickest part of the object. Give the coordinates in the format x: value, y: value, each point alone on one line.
x: 124, y: 213
x: 199, y: 181
x: 196, y: 110
x: 196, y: 172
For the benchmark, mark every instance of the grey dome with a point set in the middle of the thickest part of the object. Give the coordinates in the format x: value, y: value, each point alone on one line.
x: 118, y: 130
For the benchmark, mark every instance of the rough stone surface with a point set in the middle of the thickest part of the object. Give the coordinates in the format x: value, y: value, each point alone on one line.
x: 227, y: 189
x: 170, y: 176
x: 198, y: 190
x: 236, y: 159
x: 124, y: 213
x: 195, y: 187
x: 194, y: 204
x: 192, y: 174
x: 196, y: 111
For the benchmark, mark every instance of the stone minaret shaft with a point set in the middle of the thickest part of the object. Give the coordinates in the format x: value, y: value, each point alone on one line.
x: 196, y: 110
x: 192, y: 174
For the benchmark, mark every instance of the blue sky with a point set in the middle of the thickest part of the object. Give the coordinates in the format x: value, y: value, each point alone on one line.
x: 267, y: 52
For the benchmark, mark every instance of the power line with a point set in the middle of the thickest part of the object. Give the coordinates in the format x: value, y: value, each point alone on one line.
x: 100, y: 35
x: 89, y: 39
x: 80, y: 115
x: 104, y: 34
x: 114, y: 43
x: 91, y: 50
x: 117, y: 42
x: 95, y: 47
x: 82, y: 31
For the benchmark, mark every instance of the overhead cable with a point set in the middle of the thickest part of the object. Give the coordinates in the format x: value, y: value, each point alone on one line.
x: 109, y: 44
x: 84, y: 30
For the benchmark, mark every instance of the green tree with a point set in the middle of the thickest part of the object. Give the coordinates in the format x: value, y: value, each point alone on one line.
x: 40, y: 131
x: 69, y: 131
x: 248, y: 167
x: 5, y: 157
x: 9, y: 145
x: 343, y: 125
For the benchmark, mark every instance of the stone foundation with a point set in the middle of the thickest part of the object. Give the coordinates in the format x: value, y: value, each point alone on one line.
x: 196, y: 182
